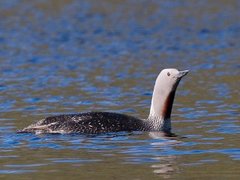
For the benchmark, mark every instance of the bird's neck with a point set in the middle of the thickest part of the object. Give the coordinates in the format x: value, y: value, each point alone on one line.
x: 161, y: 108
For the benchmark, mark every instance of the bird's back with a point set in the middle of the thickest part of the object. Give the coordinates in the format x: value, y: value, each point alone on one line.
x: 89, y: 123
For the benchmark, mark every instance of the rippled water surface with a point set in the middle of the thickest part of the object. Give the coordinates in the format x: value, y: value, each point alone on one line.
x: 65, y: 56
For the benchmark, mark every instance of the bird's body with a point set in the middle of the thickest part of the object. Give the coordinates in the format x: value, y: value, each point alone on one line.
x: 87, y: 123
x: 159, y: 118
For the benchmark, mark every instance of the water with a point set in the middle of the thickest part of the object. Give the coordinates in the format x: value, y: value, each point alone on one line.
x: 69, y: 56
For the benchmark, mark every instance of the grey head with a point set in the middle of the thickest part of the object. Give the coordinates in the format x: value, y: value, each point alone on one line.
x: 163, y: 97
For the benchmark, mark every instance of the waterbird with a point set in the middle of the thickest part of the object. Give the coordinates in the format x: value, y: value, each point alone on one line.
x: 159, y: 119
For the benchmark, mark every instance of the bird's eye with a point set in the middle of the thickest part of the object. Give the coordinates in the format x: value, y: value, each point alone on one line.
x: 168, y: 74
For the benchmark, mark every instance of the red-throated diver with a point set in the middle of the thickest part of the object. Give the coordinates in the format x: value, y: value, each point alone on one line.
x: 159, y: 118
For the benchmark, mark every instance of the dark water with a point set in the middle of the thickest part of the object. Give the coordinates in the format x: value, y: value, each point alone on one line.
x: 65, y: 56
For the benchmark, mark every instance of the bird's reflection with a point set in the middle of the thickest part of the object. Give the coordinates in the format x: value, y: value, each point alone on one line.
x: 166, y: 166
x: 161, y: 135
x: 166, y: 163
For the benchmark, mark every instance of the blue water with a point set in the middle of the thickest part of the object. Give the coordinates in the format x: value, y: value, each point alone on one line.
x: 71, y: 56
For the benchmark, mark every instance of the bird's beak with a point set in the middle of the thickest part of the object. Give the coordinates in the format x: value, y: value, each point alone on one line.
x: 182, y: 73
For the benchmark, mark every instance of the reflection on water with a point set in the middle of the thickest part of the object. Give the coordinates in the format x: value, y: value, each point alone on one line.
x: 134, y: 148
x: 70, y: 56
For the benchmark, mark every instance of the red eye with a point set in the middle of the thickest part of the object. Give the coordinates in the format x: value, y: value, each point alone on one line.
x: 168, y: 74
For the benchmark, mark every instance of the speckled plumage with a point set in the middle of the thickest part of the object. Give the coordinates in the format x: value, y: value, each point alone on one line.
x: 89, y: 122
